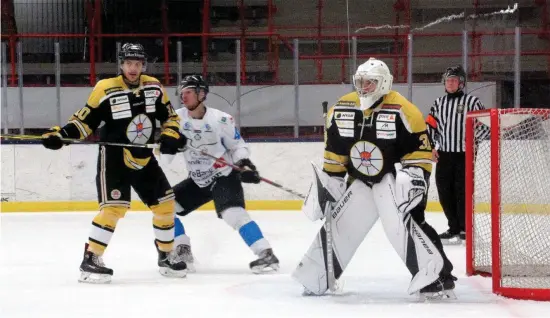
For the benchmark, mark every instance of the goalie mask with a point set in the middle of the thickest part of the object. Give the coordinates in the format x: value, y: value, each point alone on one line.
x: 372, y: 81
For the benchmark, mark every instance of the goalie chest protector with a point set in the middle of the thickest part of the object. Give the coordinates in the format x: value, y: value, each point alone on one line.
x: 372, y: 140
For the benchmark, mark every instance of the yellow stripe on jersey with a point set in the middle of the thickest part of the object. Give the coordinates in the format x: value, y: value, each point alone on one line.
x: 334, y: 162
x: 421, y: 158
x: 82, y: 127
x: 98, y: 92
x: 134, y: 163
x: 411, y: 116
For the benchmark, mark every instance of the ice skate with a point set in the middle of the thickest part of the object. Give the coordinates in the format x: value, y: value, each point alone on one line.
x: 450, y: 238
x: 170, y: 266
x: 93, y: 270
x: 442, y: 288
x: 266, y: 262
x: 183, y: 253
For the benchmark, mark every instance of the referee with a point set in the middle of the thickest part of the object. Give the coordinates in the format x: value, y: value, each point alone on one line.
x: 446, y: 126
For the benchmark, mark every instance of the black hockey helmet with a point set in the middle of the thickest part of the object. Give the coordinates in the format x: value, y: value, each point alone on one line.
x: 132, y: 51
x: 456, y: 71
x: 193, y: 81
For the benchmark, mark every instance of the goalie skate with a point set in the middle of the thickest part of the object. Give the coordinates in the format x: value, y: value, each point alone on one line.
x: 440, y: 289
x: 93, y: 270
x: 267, y: 262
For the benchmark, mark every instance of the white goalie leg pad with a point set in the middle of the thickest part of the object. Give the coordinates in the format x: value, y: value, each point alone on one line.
x: 324, y: 189
x: 411, y: 243
x: 350, y: 219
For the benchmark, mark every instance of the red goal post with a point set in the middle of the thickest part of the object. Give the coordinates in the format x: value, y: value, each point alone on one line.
x: 508, y: 200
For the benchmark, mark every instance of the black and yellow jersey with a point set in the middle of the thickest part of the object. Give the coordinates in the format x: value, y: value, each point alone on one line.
x: 129, y: 114
x: 366, y: 144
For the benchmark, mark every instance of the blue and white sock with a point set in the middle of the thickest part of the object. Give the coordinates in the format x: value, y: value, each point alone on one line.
x: 179, y: 233
x: 239, y: 219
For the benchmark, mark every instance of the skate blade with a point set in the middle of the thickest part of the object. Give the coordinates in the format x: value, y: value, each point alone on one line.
x: 442, y: 295
x: 165, y: 271
x: 264, y: 269
x: 93, y: 278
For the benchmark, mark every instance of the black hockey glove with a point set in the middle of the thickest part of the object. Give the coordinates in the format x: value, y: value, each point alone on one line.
x: 250, y: 174
x: 52, y: 138
x: 171, y: 141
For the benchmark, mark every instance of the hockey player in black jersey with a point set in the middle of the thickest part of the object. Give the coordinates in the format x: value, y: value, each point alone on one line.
x: 378, y: 140
x: 129, y: 105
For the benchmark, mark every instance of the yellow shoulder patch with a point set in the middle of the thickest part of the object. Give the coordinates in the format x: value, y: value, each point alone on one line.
x: 100, y: 90
x: 410, y: 114
x: 147, y: 78
x: 351, y: 99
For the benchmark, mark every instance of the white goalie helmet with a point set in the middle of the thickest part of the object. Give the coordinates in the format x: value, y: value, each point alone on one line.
x: 372, y: 80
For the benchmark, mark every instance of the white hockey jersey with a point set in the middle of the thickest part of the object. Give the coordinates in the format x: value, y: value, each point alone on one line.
x: 215, y: 134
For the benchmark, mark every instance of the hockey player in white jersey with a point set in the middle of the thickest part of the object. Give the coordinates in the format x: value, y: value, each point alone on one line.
x: 213, y: 131
x: 378, y: 139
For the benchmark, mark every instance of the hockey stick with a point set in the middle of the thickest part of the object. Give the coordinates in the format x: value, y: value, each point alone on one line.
x: 70, y: 141
x: 221, y: 160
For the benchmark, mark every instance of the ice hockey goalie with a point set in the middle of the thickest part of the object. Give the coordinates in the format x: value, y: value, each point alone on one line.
x: 377, y: 139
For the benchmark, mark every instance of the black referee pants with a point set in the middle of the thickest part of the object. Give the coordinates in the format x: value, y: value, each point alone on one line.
x: 450, y: 181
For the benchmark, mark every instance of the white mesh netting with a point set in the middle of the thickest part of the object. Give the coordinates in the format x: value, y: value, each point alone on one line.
x: 524, y: 197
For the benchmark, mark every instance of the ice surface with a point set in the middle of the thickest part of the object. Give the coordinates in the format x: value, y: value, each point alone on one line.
x: 40, y: 254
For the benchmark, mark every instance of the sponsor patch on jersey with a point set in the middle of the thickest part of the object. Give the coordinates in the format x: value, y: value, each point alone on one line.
x: 386, y: 134
x: 386, y: 117
x: 346, y: 103
x: 237, y: 134
x: 344, y: 123
x: 150, y: 100
x: 344, y: 115
x: 150, y: 108
x: 121, y: 107
x: 118, y: 100
x: 122, y: 114
x: 223, y: 120
x: 460, y: 108
x: 187, y: 125
x: 152, y: 93
x: 385, y: 126
x: 391, y: 106
x: 112, y: 90
x: 346, y: 132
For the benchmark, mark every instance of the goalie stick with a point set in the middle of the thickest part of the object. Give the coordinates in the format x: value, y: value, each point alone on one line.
x: 331, y: 279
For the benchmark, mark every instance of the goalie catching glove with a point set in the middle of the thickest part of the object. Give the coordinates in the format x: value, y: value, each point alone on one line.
x: 249, y: 174
x: 410, y: 187
x: 171, y: 141
x: 52, y: 138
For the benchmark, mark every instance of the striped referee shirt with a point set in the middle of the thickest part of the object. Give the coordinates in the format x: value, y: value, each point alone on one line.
x: 447, y: 121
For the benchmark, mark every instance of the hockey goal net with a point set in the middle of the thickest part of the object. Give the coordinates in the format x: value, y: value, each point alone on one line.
x: 508, y: 200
